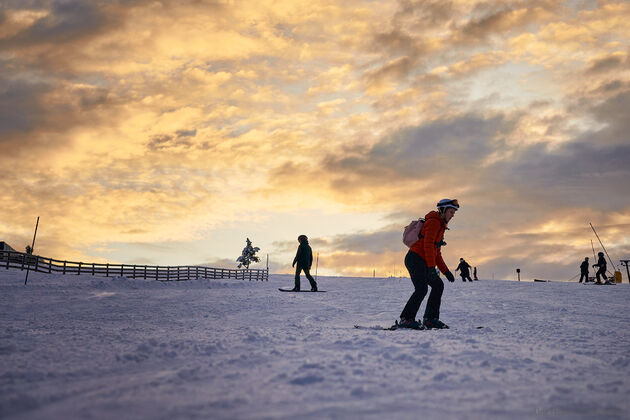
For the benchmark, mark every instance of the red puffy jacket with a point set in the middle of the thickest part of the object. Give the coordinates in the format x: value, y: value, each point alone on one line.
x: 431, y: 235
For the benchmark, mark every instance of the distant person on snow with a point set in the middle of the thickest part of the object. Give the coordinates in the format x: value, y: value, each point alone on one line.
x: 422, y: 261
x: 475, y: 274
x: 584, y: 271
x: 601, y: 263
x: 464, y: 268
x: 304, y: 260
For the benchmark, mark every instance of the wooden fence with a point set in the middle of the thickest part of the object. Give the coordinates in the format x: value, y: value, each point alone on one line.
x: 23, y: 261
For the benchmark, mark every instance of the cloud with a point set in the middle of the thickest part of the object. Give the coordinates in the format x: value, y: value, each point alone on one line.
x: 181, y: 138
x: 35, y: 116
x: 578, y: 174
x: 614, y: 61
x: 55, y: 22
x: 21, y: 107
x: 613, y: 113
x: 406, y: 156
x: 368, y: 242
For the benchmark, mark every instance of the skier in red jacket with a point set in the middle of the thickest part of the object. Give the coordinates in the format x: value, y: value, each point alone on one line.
x: 423, y: 260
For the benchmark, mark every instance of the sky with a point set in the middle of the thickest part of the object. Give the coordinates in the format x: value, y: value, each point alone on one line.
x: 168, y: 132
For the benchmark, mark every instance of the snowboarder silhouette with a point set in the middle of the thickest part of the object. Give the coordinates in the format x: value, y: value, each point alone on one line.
x: 464, y: 270
x: 601, y: 263
x: 304, y: 260
x: 584, y: 271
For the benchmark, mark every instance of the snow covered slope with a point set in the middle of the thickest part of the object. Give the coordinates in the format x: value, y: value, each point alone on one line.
x: 83, y: 347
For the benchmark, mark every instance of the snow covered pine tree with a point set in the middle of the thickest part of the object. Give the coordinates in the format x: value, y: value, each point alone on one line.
x: 248, y: 255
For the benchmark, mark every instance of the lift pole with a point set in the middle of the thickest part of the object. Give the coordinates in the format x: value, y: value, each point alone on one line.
x: 625, y: 262
x: 600, y: 242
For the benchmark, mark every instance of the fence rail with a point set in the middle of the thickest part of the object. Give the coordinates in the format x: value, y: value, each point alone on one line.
x: 23, y: 261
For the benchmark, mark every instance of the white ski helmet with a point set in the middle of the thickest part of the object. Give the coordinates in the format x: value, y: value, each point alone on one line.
x: 446, y: 203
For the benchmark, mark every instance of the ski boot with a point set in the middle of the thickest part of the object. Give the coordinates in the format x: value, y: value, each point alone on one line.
x: 430, y: 324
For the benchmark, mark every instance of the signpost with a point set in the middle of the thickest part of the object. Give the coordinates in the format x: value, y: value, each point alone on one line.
x: 28, y: 266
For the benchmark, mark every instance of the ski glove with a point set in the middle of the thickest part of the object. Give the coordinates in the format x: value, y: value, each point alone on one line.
x: 434, y: 274
x: 450, y: 276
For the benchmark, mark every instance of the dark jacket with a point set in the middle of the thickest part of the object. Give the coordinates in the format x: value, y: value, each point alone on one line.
x: 464, y: 267
x: 304, y: 255
x: 601, y: 263
x: 584, y: 266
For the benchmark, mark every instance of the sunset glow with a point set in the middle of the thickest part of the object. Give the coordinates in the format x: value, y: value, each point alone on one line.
x: 168, y: 132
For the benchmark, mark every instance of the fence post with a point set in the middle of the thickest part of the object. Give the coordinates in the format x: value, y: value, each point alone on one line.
x: 122, y: 267
x: 93, y: 269
x: 145, y: 272
x: 64, y: 267
x: 168, y: 272
x: 79, y: 271
x: 107, y: 270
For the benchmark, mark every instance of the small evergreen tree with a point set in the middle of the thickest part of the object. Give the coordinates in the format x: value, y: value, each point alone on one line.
x: 248, y: 255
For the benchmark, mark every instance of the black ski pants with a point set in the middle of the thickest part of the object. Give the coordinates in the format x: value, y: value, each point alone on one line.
x: 466, y: 276
x: 584, y: 275
x: 601, y: 272
x: 421, y: 279
x: 307, y: 273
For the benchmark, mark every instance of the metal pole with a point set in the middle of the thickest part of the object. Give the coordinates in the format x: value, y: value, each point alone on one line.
x: 625, y: 262
x: 32, y: 250
x: 600, y: 241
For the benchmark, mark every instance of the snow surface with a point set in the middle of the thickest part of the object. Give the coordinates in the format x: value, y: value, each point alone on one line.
x: 85, y: 347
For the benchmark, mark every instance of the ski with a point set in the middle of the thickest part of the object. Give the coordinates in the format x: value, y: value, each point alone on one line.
x: 377, y: 327
x: 301, y: 291
x: 397, y: 327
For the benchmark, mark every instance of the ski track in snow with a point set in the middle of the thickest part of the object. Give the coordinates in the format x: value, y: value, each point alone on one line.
x: 85, y: 347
